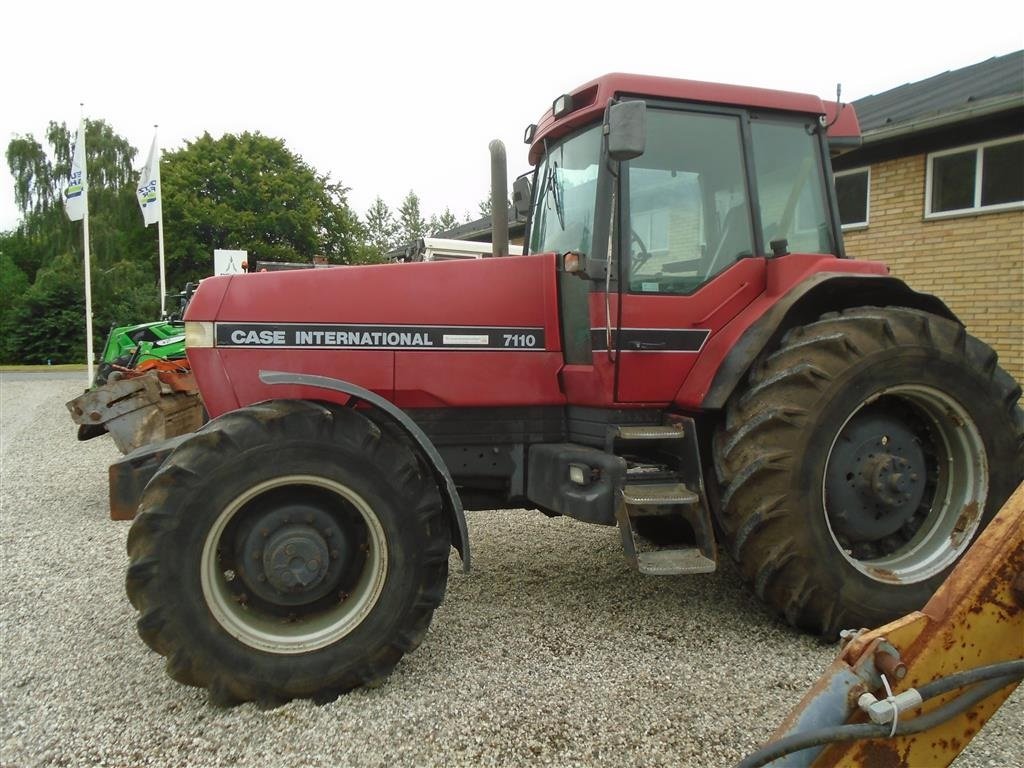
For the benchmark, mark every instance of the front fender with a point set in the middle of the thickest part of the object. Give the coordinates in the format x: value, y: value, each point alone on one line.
x: 445, y: 483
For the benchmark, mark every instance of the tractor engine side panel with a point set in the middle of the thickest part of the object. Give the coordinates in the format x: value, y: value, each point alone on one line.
x: 480, y: 332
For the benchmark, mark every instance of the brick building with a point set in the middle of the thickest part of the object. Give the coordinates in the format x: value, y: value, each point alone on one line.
x: 936, y: 191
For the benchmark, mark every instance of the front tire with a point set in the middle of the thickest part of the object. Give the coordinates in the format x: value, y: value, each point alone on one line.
x: 288, y: 550
x: 861, y: 460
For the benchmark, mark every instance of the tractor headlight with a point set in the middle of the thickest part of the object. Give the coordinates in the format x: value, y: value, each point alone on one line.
x: 562, y: 105
x: 579, y: 474
x: 199, y: 334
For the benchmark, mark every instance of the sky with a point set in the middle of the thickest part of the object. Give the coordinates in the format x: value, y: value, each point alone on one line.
x: 389, y: 97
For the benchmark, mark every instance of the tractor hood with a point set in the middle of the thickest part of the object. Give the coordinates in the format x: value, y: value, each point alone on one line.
x: 501, y: 292
x: 421, y: 334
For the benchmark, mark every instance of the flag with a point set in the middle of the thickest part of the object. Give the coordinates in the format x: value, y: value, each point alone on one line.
x: 75, y: 203
x: 149, y: 187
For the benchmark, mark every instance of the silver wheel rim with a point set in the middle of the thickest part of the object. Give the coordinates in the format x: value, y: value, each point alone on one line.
x: 307, y: 633
x: 957, y: 501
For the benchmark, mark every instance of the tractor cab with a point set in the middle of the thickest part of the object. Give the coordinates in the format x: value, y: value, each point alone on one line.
x: 673, y: 195
x: 688, y: 187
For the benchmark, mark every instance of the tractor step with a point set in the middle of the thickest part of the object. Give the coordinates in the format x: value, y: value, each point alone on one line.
x: 657, y: 495
x: 665, y: 500
x: 649, y: 474
x: 661, y: 507
x: 650, y: 432
x: 674, y: 562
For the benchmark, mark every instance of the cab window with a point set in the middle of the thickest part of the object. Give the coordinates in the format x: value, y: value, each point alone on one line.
x: 790, y: 185
x: 688, y: 213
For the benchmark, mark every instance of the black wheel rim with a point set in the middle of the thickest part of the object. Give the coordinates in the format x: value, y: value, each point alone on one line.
x: 905, y: 484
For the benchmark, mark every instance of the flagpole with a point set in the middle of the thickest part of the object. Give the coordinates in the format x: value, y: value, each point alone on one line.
x: 163, y: 278
x: 88, y: 277
x: 160, y: 237
x: 88, y: 290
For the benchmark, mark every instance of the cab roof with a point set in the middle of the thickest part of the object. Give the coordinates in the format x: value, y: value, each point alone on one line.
x: 590, y: 99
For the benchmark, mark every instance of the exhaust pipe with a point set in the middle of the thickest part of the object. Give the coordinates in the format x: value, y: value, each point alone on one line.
x: 499, y: 199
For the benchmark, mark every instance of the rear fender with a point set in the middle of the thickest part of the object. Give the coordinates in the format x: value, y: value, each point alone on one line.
x: 804, y: 303
x: 445, y: 483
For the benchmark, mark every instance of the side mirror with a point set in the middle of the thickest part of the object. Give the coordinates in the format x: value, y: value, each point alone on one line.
x: 522, y: 194
x: 627, y: 129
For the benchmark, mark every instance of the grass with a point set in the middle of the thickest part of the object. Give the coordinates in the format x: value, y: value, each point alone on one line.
x: 41, y: 368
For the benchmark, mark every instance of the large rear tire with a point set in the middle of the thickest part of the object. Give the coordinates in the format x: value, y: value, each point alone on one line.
x: 288, y: 550
x: 861, y: 460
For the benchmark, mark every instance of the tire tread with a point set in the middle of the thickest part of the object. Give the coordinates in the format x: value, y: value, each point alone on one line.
x: 165, y: 504
x: 752, y: 455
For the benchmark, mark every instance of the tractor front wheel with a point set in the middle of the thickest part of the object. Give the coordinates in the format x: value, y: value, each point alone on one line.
x: 288, y: 550
x: 862, y: 459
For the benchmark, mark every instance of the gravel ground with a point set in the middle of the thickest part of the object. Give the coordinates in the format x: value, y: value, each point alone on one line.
x: 550, y: 653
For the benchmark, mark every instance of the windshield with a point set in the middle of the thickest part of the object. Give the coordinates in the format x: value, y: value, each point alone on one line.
x: 563, y: 211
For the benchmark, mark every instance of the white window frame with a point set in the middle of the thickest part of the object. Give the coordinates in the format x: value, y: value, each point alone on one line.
x: 867, y: 194
x: 978, y: 169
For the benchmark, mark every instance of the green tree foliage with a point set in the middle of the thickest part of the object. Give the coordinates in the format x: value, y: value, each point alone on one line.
x: 13, y: 286
x: 35, y: 189
x: 46, y: 319
x: 381, y: 228
x: 246, y: 191
x: 442, y: 223
x: 484, y: 207
x: 411, y: 225
x: 48, y: 323
x: 250, y: 192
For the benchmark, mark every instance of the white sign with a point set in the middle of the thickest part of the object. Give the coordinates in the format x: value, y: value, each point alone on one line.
x: 228, y: 262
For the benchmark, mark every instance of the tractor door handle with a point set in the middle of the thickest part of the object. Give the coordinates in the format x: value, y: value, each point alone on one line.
x: 647, y: 345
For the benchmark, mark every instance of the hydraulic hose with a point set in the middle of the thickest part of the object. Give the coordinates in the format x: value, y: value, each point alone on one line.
x: 1013, y: 669
x: 986, y: 680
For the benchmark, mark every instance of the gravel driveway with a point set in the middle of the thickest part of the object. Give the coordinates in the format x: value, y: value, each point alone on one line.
x: 550, y: 653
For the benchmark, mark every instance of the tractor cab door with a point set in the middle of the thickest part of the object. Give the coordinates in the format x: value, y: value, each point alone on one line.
x: 692, y: 233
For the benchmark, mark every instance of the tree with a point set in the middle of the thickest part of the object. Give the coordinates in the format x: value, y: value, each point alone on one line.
x: 35, y: 189
x: 46, y: 318
x: 381, y: 228
x: 251, y: 192
x: 443, y: 223
x: 411, y: 225
x: 48, y: 324
x: 39, y: 179
x: 13, y: 285
x: 484, y: 207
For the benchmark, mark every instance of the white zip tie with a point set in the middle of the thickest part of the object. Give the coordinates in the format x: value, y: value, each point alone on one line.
x: 891, y: 700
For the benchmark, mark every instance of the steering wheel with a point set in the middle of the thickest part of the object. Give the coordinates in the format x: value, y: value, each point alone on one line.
x: 637, y: 259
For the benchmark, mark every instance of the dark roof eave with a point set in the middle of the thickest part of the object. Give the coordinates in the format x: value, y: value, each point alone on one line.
x: 944, y: 119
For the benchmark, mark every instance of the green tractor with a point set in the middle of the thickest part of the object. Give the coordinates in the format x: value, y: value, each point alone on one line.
x: 143, y: 390
x: 129, y: 345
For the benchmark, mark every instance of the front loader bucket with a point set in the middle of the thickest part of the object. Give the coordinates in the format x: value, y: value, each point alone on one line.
x: 138, y: 410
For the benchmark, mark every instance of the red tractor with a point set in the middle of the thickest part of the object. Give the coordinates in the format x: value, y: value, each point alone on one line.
x: 684, y: 352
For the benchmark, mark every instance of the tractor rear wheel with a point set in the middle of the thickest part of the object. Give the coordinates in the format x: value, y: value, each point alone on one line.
x: 287, y: 550
x: 861, y: 460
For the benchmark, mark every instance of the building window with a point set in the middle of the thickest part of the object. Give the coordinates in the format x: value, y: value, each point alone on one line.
x: 982, y: 177
x: 852, y: 193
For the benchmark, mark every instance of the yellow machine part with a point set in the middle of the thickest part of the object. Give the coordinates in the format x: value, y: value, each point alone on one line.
x: 975, y: 618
